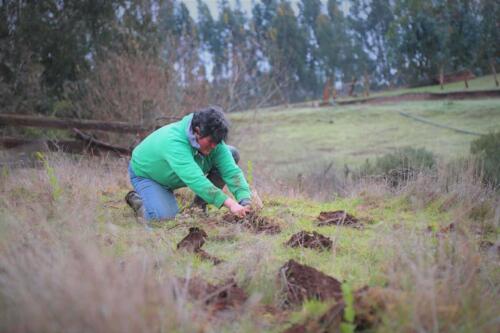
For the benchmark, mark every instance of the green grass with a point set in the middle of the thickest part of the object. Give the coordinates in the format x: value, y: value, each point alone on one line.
x: 290, y: 141
x: 481, y: 83
x: 84, y: 256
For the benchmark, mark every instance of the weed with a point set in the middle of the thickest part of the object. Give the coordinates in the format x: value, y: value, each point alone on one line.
x: 250, y: 172
x: 400, y: 166
x: 487, y: 148
x: 347, y: 326
x: 55, y: 188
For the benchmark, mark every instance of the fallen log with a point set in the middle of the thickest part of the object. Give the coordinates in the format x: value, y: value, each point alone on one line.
x: 66, y: 146
x: 47, y: 122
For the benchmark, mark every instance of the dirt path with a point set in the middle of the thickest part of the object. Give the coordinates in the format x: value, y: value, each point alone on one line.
x: 428, y: 122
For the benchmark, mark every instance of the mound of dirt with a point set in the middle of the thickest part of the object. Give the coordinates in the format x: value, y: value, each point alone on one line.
x: 254, y: 222
x: 302, y: 282
x: 369, y: 303
x: 224, y: 296
x: 193, y: 243
x: 312, y: 240
x: 338, y: 217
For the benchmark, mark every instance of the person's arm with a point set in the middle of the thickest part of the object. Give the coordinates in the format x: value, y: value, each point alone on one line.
x: 231, y: 174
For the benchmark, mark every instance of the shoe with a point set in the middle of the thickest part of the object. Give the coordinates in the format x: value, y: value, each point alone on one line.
x: 134, y: 200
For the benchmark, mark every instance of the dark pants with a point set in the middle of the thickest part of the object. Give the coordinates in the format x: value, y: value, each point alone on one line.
x: 215, y: 177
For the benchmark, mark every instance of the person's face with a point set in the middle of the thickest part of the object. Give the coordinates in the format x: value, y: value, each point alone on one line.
x: 206, y: 143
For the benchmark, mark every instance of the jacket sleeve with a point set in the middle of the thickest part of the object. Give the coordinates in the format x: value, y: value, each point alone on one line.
x: 179, y: 157
x: 231, y: 173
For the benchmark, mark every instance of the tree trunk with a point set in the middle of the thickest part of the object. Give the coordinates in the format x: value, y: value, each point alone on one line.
x: 494, y: 71
x: 51, y: 122
x: 353, y: 83
x: 334, y: 90
x: 367, y: 84
x: 441, y: 76
x: 326, y: 92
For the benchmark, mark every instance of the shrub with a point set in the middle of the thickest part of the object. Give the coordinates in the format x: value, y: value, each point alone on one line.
x: 487, y: 149
x: 401, y: 165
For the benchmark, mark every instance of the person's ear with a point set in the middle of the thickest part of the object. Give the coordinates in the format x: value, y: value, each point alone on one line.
x: 197, y: 131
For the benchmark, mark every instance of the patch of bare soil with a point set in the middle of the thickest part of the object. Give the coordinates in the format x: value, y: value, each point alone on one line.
x: 369, y: 303
x: 254, y: 222
x: 311, y: 240
x: 224, y: 296
x: 301, y: 282
x: 338, y: 217
x: 193, y: 243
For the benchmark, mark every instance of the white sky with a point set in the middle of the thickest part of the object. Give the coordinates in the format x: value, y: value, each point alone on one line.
x: 245, y: 4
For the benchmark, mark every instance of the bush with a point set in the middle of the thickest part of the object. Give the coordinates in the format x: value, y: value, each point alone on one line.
x: 401, y: 165
x: 487, y: 149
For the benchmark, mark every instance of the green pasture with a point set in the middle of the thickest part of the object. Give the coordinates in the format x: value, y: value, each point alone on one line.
x: 481, y: 83
x: 286, y: 142
x: 254, y: 260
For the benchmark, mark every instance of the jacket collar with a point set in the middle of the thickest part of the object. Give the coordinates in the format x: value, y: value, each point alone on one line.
x: 191, y: 136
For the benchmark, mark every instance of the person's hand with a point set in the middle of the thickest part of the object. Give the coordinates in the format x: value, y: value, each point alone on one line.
x: 239, y: 210
x: 236, y: 208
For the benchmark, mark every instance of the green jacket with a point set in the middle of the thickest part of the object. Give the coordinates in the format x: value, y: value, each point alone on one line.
x: 167, y: 157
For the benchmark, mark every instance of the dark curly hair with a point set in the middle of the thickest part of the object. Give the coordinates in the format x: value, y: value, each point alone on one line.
x: 212, y: 122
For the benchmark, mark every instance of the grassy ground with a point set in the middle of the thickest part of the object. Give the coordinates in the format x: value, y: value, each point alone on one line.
x: 73, y: 258
x: 486, y: 82
x: 291, y: 141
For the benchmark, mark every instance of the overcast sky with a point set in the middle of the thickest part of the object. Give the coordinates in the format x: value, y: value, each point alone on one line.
x: 245, y: 4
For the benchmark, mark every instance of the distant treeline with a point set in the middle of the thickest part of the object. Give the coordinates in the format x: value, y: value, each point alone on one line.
x: 130, y: 59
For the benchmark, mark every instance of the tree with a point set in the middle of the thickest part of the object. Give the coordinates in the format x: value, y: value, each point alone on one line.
x: 288, y: 52
x: 489, y: 48
x: 464, y: 29
x: 418, y: 38
x: 370, y: 21
x: 309, y: 11
x: 48, y: 43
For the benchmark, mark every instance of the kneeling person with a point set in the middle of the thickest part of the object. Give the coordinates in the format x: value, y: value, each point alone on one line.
x: 192, y: 153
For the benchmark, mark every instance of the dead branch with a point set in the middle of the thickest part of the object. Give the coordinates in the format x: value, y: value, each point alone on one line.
x: 100, y: 144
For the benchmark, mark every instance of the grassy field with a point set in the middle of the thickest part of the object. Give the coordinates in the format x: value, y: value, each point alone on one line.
x: 291, y: 141
x: 486, y: 82
x: 73, y: 258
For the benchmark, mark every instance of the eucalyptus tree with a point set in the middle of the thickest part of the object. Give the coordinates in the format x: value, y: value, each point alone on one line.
x: 419, y: 37
x: 489, y: 48
x: 370, y: 21
x: 309, y: 11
